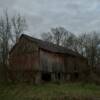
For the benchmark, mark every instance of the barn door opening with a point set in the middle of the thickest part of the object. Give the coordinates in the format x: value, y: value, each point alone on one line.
x: 46, y: 76
x: 75, y: 76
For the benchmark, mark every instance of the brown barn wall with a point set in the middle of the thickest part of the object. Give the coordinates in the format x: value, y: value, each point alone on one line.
x: 76, y: 68
x: 52, y: 63
x: 23, y: 61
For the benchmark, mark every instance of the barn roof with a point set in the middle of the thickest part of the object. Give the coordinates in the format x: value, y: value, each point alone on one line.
x: 50, y: 46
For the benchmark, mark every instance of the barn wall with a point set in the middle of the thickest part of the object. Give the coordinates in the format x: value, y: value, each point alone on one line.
x: 76, y: 68
x: 23, y: 60
x: 70, y: 67
x: 52, y: 63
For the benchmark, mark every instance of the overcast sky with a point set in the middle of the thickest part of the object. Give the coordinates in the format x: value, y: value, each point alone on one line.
x: 75, y: 15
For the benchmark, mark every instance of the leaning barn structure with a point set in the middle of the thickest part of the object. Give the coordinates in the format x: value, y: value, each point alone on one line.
x: 37, y: 61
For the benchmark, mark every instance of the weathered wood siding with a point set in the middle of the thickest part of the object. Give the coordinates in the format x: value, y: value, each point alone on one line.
x: 23, y: 59
x: 51, y: 62
x: 75, y: 65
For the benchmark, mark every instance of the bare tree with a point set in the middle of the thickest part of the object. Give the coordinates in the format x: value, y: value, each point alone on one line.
x: 70, y: 41
x: 94, y: 41
x: 19, y: 25
x: 56, y: 36
x: 89, y: 46
x: 9, y: 27
x: 47, y: 37
x: 5, y: 36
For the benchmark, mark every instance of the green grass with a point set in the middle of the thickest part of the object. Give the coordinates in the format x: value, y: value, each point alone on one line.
x: 70, y: 91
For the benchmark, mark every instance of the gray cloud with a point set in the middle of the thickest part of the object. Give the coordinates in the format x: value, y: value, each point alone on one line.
x: 75, y: 15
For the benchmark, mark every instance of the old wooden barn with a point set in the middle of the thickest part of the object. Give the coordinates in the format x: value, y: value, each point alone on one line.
x: 37, y: 61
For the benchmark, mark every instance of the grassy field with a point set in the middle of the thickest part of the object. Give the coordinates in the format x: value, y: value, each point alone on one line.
x: 75, y: 91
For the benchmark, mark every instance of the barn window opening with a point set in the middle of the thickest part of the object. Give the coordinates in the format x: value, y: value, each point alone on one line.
x: 59, y: 76
x: 46, y: 76
x: 76, y: 75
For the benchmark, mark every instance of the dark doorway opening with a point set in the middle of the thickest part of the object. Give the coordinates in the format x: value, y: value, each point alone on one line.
x: 46, y: 77
x: 76, y: 76
x: 59, y: 76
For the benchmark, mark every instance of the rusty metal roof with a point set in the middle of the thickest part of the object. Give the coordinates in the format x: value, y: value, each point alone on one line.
x: 50, y: 46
